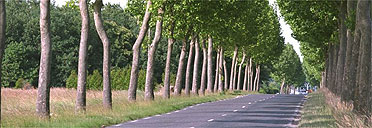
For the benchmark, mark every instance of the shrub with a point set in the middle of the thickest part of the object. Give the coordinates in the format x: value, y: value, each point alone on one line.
x: 94, y: 81
x: 269, y: 88
x: 20, y: 82
x: 71, y: 81
x: 120, y: 78
x: 141, y: 80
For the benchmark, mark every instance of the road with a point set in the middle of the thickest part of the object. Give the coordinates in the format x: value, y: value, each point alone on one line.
x: 260, y: 110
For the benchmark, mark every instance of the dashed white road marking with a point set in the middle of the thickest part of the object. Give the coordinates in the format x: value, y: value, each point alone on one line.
x: 118, y: 125
x: 147, y: 118
x: 223, y: 115
x: 249, y: 103
x: 260, y: 100
x: 235, y: 110
x: 157, y: 115
x: 210, y: 120
x: 169, y: 113
x: 243, y: 106
x: 134, y: 121
x: 176, y: 111
x: 192, y: 127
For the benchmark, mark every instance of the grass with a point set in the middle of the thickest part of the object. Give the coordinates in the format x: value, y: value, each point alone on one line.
x: 18, y: 108
x: 316, y: 112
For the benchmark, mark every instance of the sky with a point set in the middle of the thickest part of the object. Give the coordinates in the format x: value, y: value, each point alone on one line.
x: 286, y: 29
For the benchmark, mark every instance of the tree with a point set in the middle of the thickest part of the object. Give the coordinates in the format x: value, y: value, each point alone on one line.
x: 42, y: 102
x: 107, y: 99
x: 195, y: 78
x: 2, y: 38
x: 188, y: 81
x: 210, y: 66
x: 136, y: 51
x: 203, y: 81
x: 82, y: 68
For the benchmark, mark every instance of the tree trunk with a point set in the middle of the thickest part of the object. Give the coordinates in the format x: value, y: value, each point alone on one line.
x: 342, y: 50
x: 255, y: 79
x: 210, y: 65
x: 220, y: 75
x: 189, y: 67
x: 82, y: 66
x: 334, y: 68
x: 364, y: 18
x: 245, y: 77
x: 250, y: 75
x: 195, y: 74
x: 132, y: 91
x: 216, y: 75
x: 203, y: 82
x: 347, y: 89
x: 149, y: 85
x: 42, y: 103
x: 166, y: 91
x: 2, y: 39
x: 329, y: 65
x: 179, y: 77
x: 107, y: 101
x: 240, y: 71
x: 258, y: 78
x: 226, y: 78
x: 281, y: 86
x: 233, y: 69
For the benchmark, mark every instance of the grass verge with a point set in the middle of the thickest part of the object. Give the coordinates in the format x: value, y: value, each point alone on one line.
x: 18, y: 108
x: 316, y: 112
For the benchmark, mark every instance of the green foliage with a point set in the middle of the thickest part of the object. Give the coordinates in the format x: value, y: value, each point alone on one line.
x: 71, y: 81
x: 269, y: 87
x: 120, y: 78
x: 20, y: 83
x: 94, y: 81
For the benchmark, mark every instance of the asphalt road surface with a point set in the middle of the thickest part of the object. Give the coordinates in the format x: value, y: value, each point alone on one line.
x: 261, y: 110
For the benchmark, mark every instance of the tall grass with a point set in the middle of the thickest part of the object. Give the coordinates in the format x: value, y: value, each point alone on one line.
x: 18, y: 108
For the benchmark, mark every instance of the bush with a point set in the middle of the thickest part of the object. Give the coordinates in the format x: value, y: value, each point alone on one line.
x: 71, y: 81
x: 269, y: 88
x: 94, y: 81
x: 20, y: 82
x: 141, y: 80
x: 120, y: 78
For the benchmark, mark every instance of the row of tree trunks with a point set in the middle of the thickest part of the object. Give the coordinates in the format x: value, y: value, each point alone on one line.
x: 2, y: 39
x: 240, y: 71
x: 233, y: 63
x: 166, y: 91
x: 179, y: 77
x: 136, y: 51
x: 149, y: 85
x: 342, y: 49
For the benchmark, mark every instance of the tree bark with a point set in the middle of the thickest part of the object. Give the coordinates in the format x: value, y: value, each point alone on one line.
x: 149, y: 85
x: 347, y: 89
x: 82, y: 66
x: 364, y: 18
x: 107, y: 100
x: 189, y: 67
x: 258, y: 78
x: 215, y: 88
x: 166, y: 91
x: 132, y: 91
x: 179, y: 77
x: 281, y: 86
x: 342, y: 50
x: 245, y: 77
x: 334, y: 68
x: 240, y: 71
x: 2, y: 39
x: 233, y: 69
x: 42, y: 103
x: 210, y: 65
x: 203, y: 82
x: 195, y: 74
x: 226, y: 78
x: 250, y: 75
x: 220, y: 75
x: 329, y: 67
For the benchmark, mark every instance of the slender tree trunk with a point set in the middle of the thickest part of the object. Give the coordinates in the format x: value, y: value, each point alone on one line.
x: 364, y: 18
x: 220, y: 75
x: 347, y: 89
x: 235, y: 73
x: 334, y: 68
x: 281, y: 86
x: 189, y: 67
x: 203, y: 82
x: 342, y: 50
x: 132, y: 91
x: 240, y: 71
x: 329, y: 67
x: 233, y: 69
x: 42, y: 103
x: 107, y: 100
x: 323, y: 81
x: 226, y: 78
x: 149, y: 85
x: 2, y: 39
x: 255, y: 79
x: 245, y: 77
x: 215, y: 88
x: 250, y: 75
x: 195, y: 74
x: 179, y: 77
x: 354, y: 67
x: 258, y: 78
x: 166, y: 91
x: 82, y: 66
x: 210, y: 65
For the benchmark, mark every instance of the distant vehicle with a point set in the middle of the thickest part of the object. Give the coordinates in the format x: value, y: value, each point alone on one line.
x: 303, y: 90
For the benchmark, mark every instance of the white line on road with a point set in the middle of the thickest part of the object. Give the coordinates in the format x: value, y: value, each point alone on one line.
x: 249, y: 103
x: 210, y: 120
x: 169, y: 113
x: 235, y: 110
x: 157, y: 115
x: 192, y: 127
x: 147, y: 118
x: 134, y: 121
x: 176, y: 111
x: 223, y: 115
x: 243, y: 106
x: 118, y: 125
